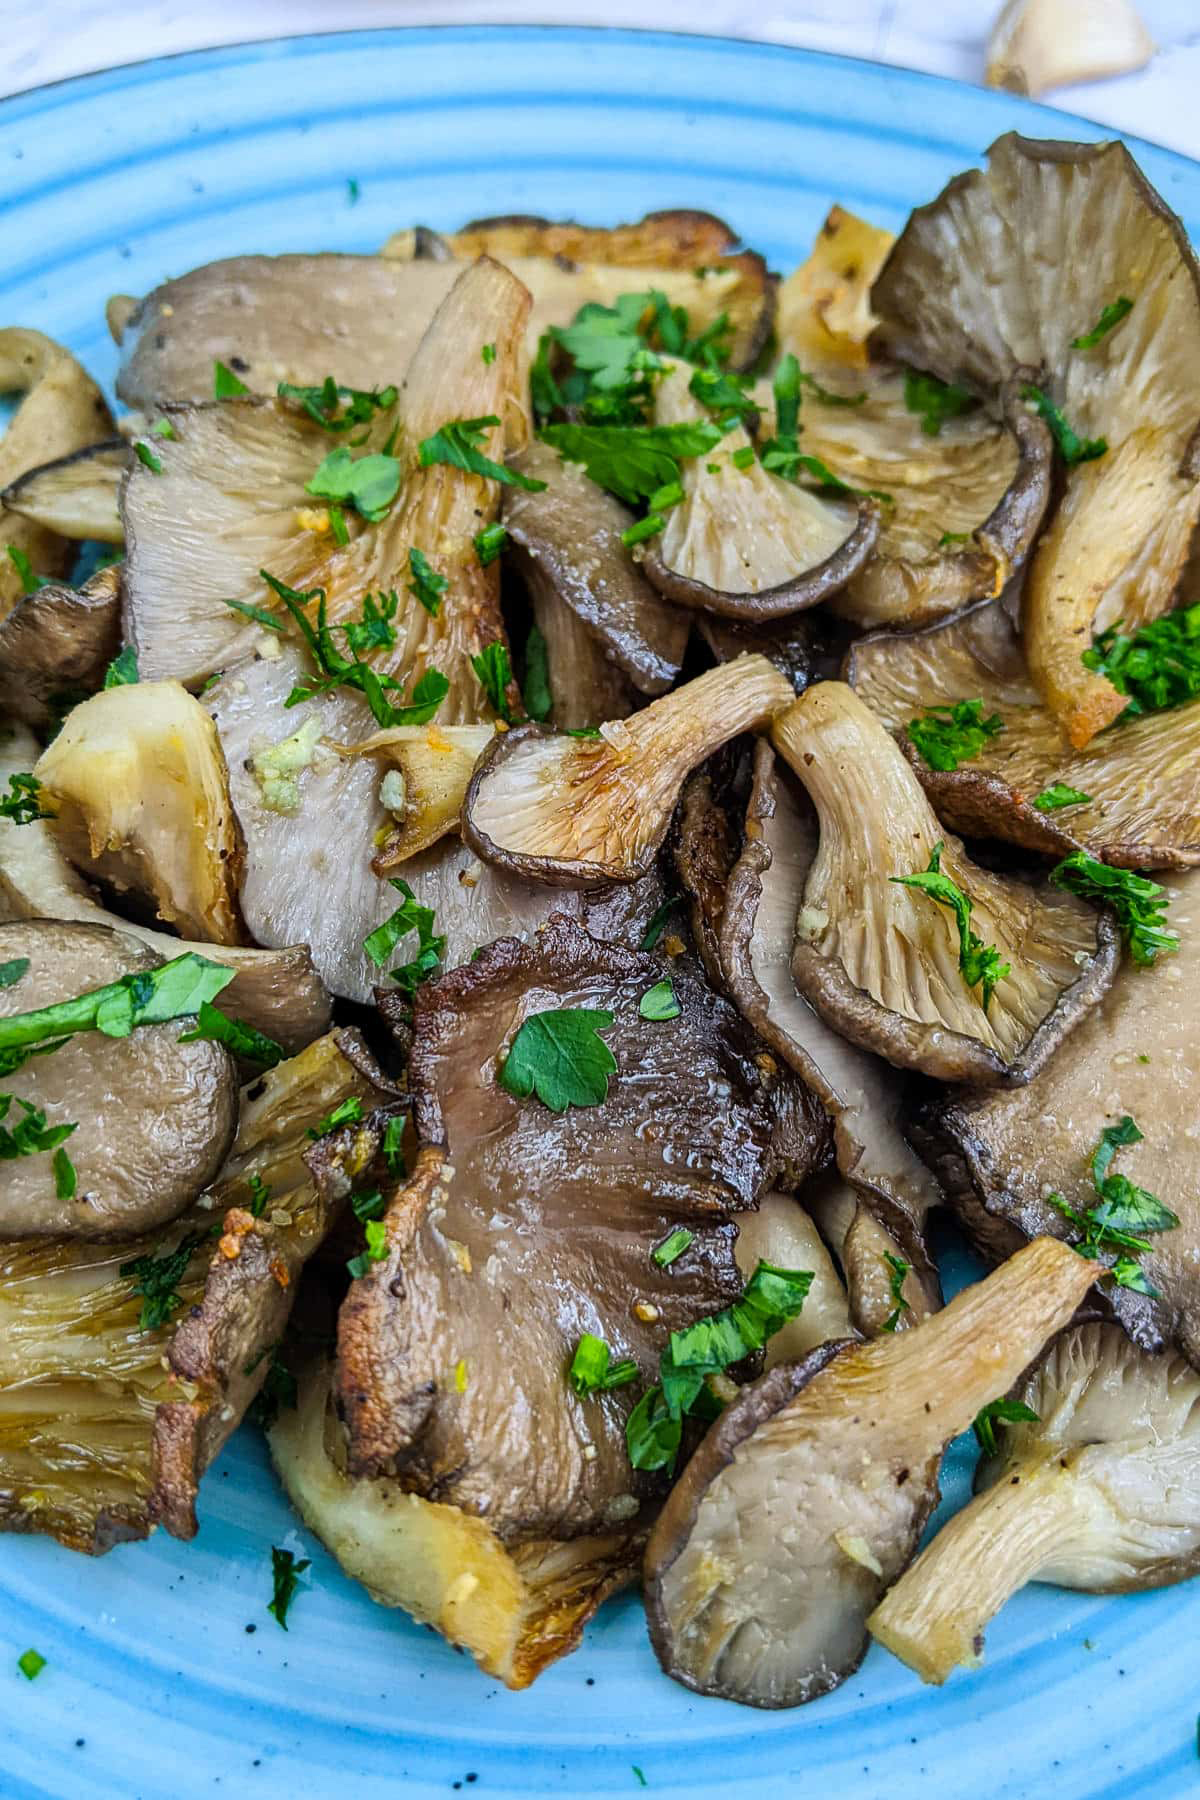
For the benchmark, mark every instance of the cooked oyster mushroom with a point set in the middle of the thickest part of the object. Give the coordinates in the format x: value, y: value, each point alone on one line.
x: 583, y: 684
x: 744, y: 543
x: 55, y: 645
x: 425, y: 783
x: 103, y: 1433
x: 781, y: 1233
x: 793, y: 644
x: 62, y: 410
x: 568, y: 540
x: 75, y: 497
x: 278, y: 992
x: 576, y: 810
x: 808, y: 1495
x: 522, y: 1228
x: 1141, y: 800
x: 140, y: 793
x: 885, y: 963
x: 886, y: 1290
x: 151, y: 1118
x: 977, y: 286
x: 1099, y: 1490
x: 823, y: 313
x: 1136, y: 1054
x: 230, y: 501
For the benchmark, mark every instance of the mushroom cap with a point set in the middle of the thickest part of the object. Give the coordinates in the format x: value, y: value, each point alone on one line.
x: 55, y: 642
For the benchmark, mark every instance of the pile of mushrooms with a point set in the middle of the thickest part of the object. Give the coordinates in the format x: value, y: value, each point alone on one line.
x: 560, y: 797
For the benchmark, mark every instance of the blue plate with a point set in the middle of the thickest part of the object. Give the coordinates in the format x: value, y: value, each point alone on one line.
x: 165, y: 1673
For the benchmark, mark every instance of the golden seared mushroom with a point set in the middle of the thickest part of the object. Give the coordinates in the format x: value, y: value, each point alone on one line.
x: 1093, y: 1483
x: 977, y: 289
x: 744, y: 543
x: 62, y: 410
x: 1132, y: 1069
x: 903, y: 944
x: 125, y: 1366
x: 427, y: 769
x: 1131, y: 798
x: 138, y: 789
x: 55, y: 646
x: 823, y: 310
x: 77, y: 496
x: 103, y: 1134
x: 781, y: 1233
x: 567, y: 543
x: 807, y: 1497
x: 277, y: 992
x: 228, y: 499
x: 575, y: 810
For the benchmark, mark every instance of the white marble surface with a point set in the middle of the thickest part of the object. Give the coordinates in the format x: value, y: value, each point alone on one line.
x: 44, y: 42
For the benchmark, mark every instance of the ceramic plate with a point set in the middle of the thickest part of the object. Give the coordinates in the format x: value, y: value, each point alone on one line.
x: 166, y: 1675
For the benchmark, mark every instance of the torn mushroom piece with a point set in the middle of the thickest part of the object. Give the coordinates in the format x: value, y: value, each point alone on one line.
x: 77, y: 496
x: 138, y: 789
x: 277, y: 992
x: 823, y: 313
x: 742, y: 542
x: 567, y: 542
x: 530, y: 1223
x: 781, y: 1233
x: 1095, y: 1485
x: 1133, y: 1061
x: 1131, y: 798
x: 575, y: 810
x: 425, y: 770
x: 107, y: 1134
x: 807, y: 1497
x: 903, y: 944
x: 977, y: 287
x: 55, y: 646
x: 125, y: 1366
x: 62, y: 410
x: 231, y: 498
x: 886, y: 1289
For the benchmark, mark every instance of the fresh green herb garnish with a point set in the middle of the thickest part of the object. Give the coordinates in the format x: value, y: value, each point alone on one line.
x: 1158, y: 665
x: 12, y: 972
x: 780, y: 459
x: 337, y: 524
x: 346, y: 1112
x: 722, y: 392
x: 30, y: 583
x: 1072, y: 448
x: 493, y: 670
x: 489, y: 543
x: 368, y: 483
x: 260, y: 1195
x: 162, y: 428
x: 285, y: 1573
x: 1112, y: 315
x: 953, y: 537
x: 151, y: 997
x: 457, y: 443
x: 30, y: 1135
x: 593, y: 1371
x: 935, y: 401
x: 21, y: 804
x: 607, y: 344
x: 657, y: 922
x: 1012, y: 1412
x: 31, y: 1663
x: 632, y: 461
x: 672, y: 1247
x: 11, y: 1059
x: 227, y: 385
x: 743, y: 458
x: 659, y: 1002
x: 539, y: 701
x: 427, y: 694
x: 393, y: 1145
x: 277, y: 1391
x: 122, y: 671
x: 324, y: 404
x: 826, y: 395
x: 897, y: 1272
x: 949, y: 735
x: 157, y: 1279
x: 560, y: 1056
x: 641, y: 529
x: 1139, y: 903
x: 488, y: 354
x: 238, y: 1038
x: 410, y: 915
x: 1058, y: 795
x: 258, y: 614
x: 147, y: 458
x: 375, y: 1252
x: 1123, y: 1213
x: 426, y: 583
x: 65, y: 1178
x: 368, y: 1204
x: 546, y: 395
x: 979, y: 962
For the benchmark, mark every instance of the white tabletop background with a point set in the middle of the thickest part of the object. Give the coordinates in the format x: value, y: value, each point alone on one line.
x: 44, y: 40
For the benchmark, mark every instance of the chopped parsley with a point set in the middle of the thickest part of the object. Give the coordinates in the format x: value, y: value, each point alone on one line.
x: 426, y: 583
x: 979, y: 962
x: 30, y: 583
x: 368, y: 483
x: 489, y: 543
x: 657, y: 922
x: 324, y: 404
x: 743, y: 458
x: 1139, y: 903
x: 1058, y: 795
x: 722, y: 392
x: 162, y: 428
x: 258, y: 614
x: 374, y: 631
x: 393, y: 1145
x: 260, y: 1195
x: 285, y: 1574
x: 122, y: 671
x: 898, y: 1270
x: 30, y: 1135
x: 949, y: 735
x: 641, y: 529
x: 782, y: 459
x: 337, y: 671
x: 31, y: 1663
x: 493, y: 671
x: 1008, y: 1412
x: 277, y: 1391
x: 1123, y: 1213
x: 606, y: 344
x: 65, y: 1178
x: 1111, y: 316
x: 157, y: 1279
x: 147, y: 458
x: 238, y: 1038
x: 633, y: 461
x: 375, y: 1251
x: 1158, y: 665
x: 488, y: 354
x: 560, y: 1056
x: 1072, y: 448
x: 346, y: 1112
x: 457, y: 444
x: 935, y: 401
x: 826, y: 395
x: 545, y: 394
x: 227, y: 385
x: 672, y: 1247
x: 21, y: 803
x: 948, y: 538
x: 14, y: 971
x: 368, y: 1204
x: 593, y: 1371
x: 379, y: 945
x: 149, y: 997
x: 659, y: 1002
x: 539, y: 701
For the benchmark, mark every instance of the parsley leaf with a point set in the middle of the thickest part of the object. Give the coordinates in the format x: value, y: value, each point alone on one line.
x: 30, y: 1135
x: 65, y: 1177
x: 393, y: 1145
x: 30, y: 583
x: 657, y: 923
x: 1013, y: 1412
x: 277, y: 1391
x: 1158, y: 666
x: 426, y: 583
x: 259, y: 614
x: 545, y: 394
x: 336, y: 671
x: 260, y: 1195
x: 980, y: 963
x: 31, y: 1663
x: 21, y: 804
x: 948, y: 735
x: 593, y: 1371
x: 560, y: 1056
x: 605, y: 341
x: 826, y: 395
x: 376, y: 1249
x: 157, y: 1279
x: 779, y: 458
x: 1057, y: 795
x: 722, y: 392
x: 898, y: 1270
x: 374, y: 631
x: 1112, y: 315
x: 489, y: 543
x: 369, y: 483
x: 122, y: 671
x: 346, y: 1112
x: 1123, y: 1214
x: 227, y: 385
x: 672, y: 1247
x: 935, y: 401
x: 238, y: 1038
x: 1139, y: 903
x: 659, y: 1002
x: 539, y: 701
x: 150, y: 997
x: 285, y: 1573
x: 14, y: 971
x: 1072, y: 448
x: 457, y: 443
x: 632, y: 461
x: 410, y: 915
x: 147, y: 458
x: 649, y: 527
x: 493, y: 671
x: 324, y: 404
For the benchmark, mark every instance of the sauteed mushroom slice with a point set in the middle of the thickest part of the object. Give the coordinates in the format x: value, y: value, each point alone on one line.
x: 77, y: 496
x: 55, y: 646
x: 582, y: 684
x: 807, y: 1497
x: 891, y: 1283
x: 823, y: 313
x: 148, y: 1119
x: 1131, y: 797
x: 571, y: 810
x: 425, y: 771
x: 1094, y: 1483
x: 981, y: 993
x: 978, y: 286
